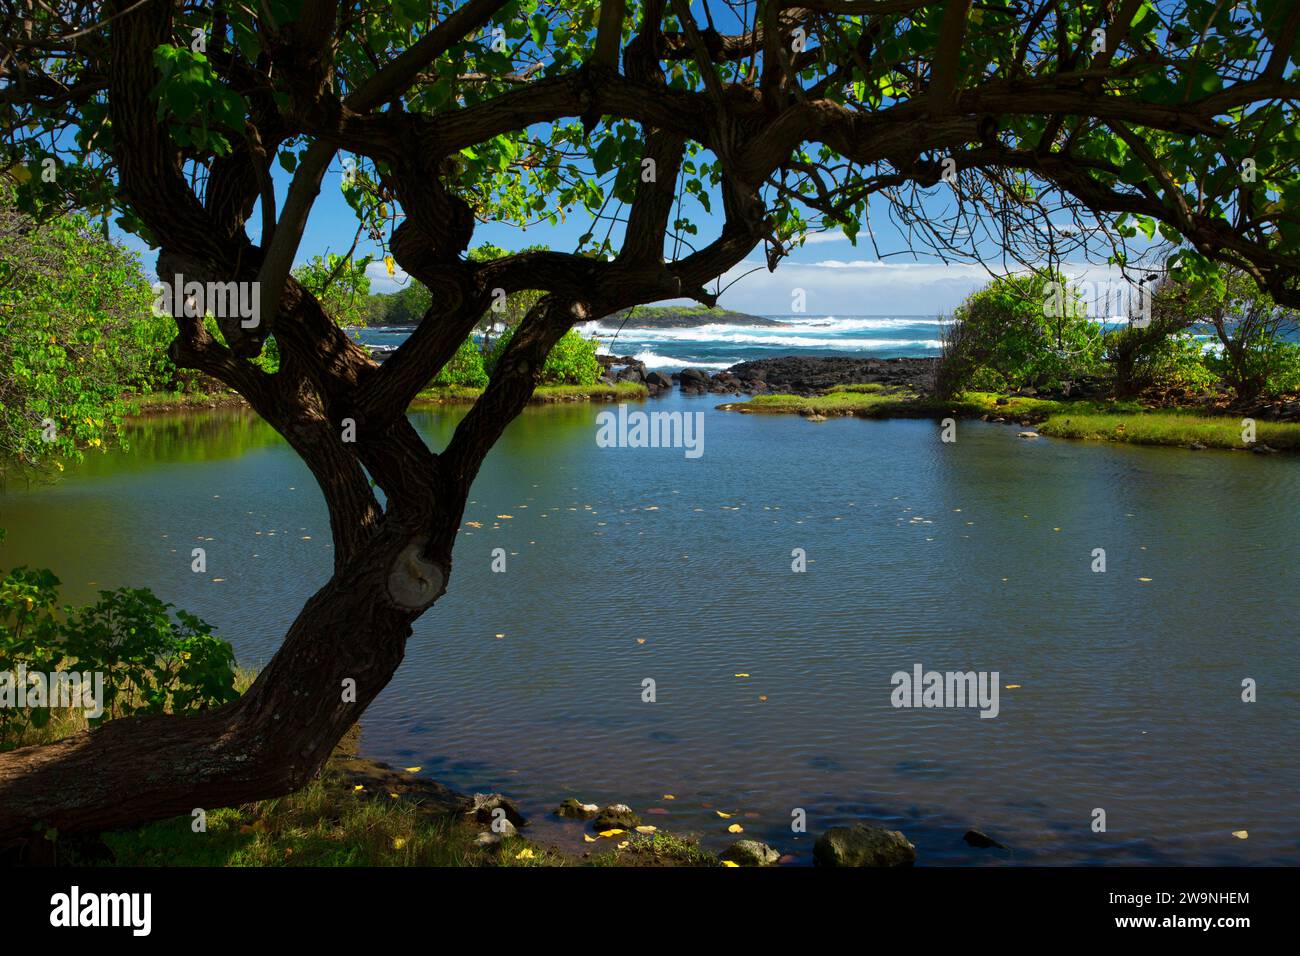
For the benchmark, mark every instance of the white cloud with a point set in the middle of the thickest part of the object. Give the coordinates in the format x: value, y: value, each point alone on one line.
x: 866, y: 286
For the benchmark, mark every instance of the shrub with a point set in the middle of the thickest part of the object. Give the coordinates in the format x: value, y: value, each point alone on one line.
x: 572, y: 361
x: 465, y: 369
x: 152, y: 661
x: 1014, y: 333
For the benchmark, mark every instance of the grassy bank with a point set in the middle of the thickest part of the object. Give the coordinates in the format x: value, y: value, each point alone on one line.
x: 357, y: 813
x: 1081, y: 419
x: 159, y: 402
x: 542, y: 395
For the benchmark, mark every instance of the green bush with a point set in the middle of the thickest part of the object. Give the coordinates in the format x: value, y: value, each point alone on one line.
x: 152, y: 661
x: 572, y: 361
x: 465, y: 368
x: 1015, y: 333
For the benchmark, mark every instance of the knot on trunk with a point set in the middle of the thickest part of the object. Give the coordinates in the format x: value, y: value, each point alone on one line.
x: 415, y: 582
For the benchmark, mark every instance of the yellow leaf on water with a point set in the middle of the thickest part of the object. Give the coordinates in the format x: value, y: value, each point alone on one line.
x: 735, y: 828
x: 504, y: 517
x: 624, y: 845
x: 1013, y: 687
x: 1240, y: 834
x: 640, y: 640
x: 1144, y: 579
x: 646, y: 828
x: 669, y: 796
x: 762, y: 697
x: 742, y: 675
x: 412, y: 769
x: 589, y: 839
x: 729, y: 863
x: 525, y: 854
x: 725, y: 816
x: 611, y: 833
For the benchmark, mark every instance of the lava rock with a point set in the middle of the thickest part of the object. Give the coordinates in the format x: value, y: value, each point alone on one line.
x: 981, y: 840
x: 750, y: 853
x: 577, y: 810
x: 863, y: 845
x: 486, y: 804
x: 617, y: 816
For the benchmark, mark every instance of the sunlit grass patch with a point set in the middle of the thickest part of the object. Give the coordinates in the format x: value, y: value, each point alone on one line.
x: 1183, y: 427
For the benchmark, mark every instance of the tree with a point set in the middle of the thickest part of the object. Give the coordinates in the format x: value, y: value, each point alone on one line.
x: 76, y: 330
x: 340, y: 284
x: 813, y: 114
x: 1253, y: 332
x: 1017, y: 332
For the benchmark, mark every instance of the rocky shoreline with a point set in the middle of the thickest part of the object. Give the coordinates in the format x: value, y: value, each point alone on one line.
x: 791, y: 374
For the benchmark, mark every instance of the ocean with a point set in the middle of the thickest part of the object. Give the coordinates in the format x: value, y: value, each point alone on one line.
x: 716, y: 347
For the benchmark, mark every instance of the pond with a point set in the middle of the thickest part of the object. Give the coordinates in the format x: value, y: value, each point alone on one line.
x: 1119, y: 691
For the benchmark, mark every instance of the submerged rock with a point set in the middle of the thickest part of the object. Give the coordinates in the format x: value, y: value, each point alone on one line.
x: 750, y: 853
x: 863, y: 845
x: 981, y: 840
x: 576, y: 810
x: 617, y: 816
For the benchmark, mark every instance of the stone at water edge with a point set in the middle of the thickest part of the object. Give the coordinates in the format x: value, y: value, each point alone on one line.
x: 659, y: 380
x: 750, y: 853
x: 981, y: 840
x: 486, y: 803
x: 576, y: 810
x: 863, y: 845
x: 617, y: 816
x: 1027, y: 435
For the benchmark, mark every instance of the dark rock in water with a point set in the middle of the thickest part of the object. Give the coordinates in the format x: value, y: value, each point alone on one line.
x: 576, y: 810
x: 1196, y: 446
x: 693, y: 381
x: 659, y: 380
x: 863, y: 845
x: 981, y: 840
x: 486, y: 804
x: 632, y: 373
x: 617, y: 816
x: 1262, y: 449
x: 750, y: 853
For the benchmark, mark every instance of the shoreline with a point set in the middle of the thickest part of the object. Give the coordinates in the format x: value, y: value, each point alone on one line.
x: 819, y: 388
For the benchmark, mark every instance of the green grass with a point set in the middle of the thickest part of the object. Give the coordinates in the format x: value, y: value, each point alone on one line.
x: 327, y: 823
x: 1108, y: 421
x: 1180, y: 427
x: 657, y: 850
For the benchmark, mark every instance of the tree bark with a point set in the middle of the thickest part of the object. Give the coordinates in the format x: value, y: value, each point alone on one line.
x: 271, y: 741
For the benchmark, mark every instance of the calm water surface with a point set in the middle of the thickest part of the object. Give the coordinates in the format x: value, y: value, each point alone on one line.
x: 632, y: 564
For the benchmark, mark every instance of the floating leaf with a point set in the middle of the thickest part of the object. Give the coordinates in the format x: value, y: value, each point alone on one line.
x: 725, y: 816
x: 1240, y: 834
x: 411, y: 769
x: 729, y: 863
x: 735, y: 828
x: 611, y: 833
x: 646, y: 828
